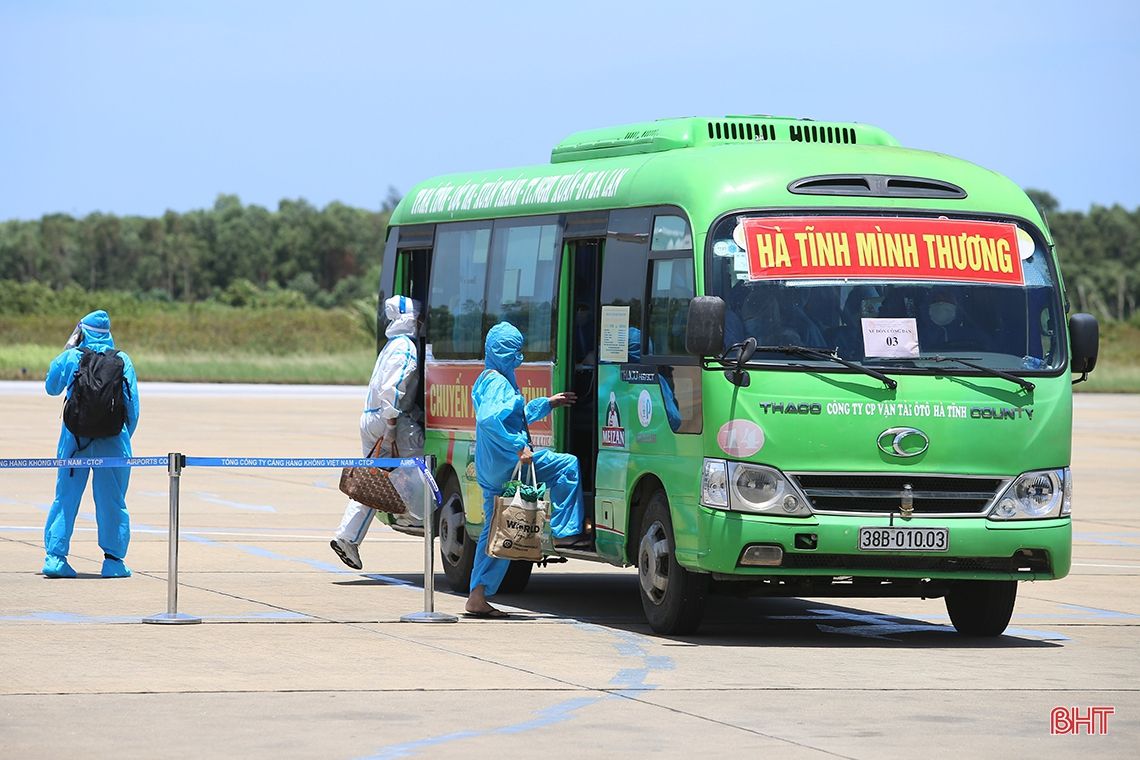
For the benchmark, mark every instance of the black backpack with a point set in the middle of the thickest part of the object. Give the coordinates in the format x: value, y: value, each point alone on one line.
x: 97, y: 407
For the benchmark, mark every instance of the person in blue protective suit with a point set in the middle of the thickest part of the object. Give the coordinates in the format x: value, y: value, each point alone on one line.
x: 664, y: 380
x: 108, y: 484
x: 501, y: 442
x: 392, y: 415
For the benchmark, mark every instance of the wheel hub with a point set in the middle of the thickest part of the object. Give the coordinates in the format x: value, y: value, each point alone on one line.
x: 452, y: 531
x: 653, y: 562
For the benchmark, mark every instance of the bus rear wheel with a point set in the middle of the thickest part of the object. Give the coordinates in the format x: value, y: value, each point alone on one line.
x: 981, y: 608
x: 673, y: 598
x: 456, y: 548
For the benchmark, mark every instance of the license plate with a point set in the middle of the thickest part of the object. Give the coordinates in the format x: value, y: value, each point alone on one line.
x: 904, y: 539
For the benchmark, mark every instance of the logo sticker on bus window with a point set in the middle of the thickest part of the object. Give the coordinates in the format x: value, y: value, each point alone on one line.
x: 645, y: 409
x: 740, y: 438
x: 613, y: 434
x: 883, y: 248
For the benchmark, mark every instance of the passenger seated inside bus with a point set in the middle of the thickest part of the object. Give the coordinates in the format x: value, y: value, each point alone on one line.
x: 664, y: 380
x: 862, y: 301
x: 945, y: 324
x: 771, y: 314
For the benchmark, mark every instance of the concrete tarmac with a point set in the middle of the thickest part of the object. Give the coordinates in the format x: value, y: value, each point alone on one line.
x: 298, y: 656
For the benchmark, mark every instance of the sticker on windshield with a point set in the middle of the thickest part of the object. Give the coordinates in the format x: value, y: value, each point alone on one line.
x: 739, y: 237
x: 890, y: 338
x: 726, y: 248
x: 882, y: 248
x: 1025, y: 244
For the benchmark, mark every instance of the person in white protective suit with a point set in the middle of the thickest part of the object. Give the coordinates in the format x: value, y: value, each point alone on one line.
x: 392, y: 415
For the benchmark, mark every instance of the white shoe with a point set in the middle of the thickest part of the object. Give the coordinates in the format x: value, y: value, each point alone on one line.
x: 348, y: 552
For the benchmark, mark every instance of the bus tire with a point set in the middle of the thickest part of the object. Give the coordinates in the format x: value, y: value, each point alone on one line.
x: 456, y: 548
x: 517, y: 577
x: 673, y: 598
x: 981, y: 608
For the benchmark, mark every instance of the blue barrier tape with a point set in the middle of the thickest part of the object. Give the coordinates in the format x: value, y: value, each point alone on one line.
x: 430, y: 481
x: 104, y: 462
x: 293, y: 463
x: 96, y: 462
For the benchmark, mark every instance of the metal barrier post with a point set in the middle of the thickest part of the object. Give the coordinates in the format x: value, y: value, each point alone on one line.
x: 428, y: 615
x: 172, y: 616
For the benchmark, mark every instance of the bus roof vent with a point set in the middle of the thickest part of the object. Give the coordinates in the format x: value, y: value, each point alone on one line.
x: 875, y: 186
x: 741, y: 130
x: 822, y: 133
x: 693, y: 132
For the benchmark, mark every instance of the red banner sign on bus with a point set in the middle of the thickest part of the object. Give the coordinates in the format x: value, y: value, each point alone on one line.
x: 882, y: 248
x: 449, y: 404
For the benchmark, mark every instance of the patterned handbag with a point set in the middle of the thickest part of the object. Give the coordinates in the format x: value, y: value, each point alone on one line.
x: 372, y: 486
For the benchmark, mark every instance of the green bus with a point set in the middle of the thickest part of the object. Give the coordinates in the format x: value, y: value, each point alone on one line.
x: 809, y: 362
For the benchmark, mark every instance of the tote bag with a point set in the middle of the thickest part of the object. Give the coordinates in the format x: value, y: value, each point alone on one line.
x: 518, y: 526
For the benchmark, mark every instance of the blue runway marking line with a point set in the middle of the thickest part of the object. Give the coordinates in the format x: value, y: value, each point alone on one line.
x: 882, y: 626
x: 630, y: 679
x: 1122, y: 538
x: 211, y: 498
x: 1096, y: 612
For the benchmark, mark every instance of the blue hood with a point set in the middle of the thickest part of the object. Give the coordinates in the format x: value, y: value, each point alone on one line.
x: 97, y: 331
x: 504, y: 351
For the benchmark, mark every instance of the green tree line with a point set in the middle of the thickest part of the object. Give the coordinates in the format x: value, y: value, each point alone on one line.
x: 242, y: 255
x: 232, y: 253
x: 1099, y: 251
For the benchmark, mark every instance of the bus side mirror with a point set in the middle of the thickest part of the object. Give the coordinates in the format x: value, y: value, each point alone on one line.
x: 704, y: 335
x: 1084, y: 338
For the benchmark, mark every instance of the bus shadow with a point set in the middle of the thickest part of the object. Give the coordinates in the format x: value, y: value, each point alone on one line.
x: 611, y: 599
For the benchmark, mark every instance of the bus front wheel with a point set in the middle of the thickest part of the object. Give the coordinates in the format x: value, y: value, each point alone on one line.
x: 673, y: 598
x: 456, y: 548
x: 981, y: 608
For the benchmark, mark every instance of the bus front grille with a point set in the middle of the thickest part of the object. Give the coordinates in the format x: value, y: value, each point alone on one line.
x: 1025, y: 561
x: 930, y: 494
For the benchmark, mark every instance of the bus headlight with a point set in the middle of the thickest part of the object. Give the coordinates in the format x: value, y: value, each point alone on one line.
x: 714, y: 483
x: 747, y: 487
x: 1036, y: 495
x: 755, y: 488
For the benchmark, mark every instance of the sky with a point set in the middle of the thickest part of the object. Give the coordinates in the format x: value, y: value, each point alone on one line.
x: 135, y: 108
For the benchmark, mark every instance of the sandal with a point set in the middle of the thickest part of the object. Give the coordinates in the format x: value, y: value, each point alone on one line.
x: 491, y: 614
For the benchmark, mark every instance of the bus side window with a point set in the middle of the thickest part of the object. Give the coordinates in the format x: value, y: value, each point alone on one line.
x: 521, y: 281
x: 455, y: 322
x: 671, y: 290
x: 623, y: 263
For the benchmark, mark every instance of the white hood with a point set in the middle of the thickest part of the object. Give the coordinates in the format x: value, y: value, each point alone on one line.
x: 402, y: 313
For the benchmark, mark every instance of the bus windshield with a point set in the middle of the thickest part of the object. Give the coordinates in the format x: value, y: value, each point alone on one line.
x: 892, y: 322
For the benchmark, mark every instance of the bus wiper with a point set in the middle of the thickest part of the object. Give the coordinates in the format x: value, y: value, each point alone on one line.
x: 817, y: 353
x: 988, y: 370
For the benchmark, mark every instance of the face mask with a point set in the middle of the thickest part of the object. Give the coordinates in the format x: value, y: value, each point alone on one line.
x: 943, y: 314
x: 75, y: 339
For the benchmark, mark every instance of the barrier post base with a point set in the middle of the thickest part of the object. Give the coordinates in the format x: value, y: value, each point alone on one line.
x: 428, y: 617
x: 172, y: 618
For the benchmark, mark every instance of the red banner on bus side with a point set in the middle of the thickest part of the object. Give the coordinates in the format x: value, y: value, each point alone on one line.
x: 882, y: 248
x: 448, y: 397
